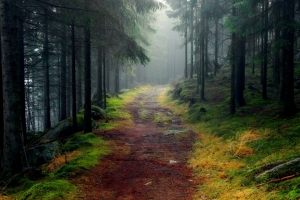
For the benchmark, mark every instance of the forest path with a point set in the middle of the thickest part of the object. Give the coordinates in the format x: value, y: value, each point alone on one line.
x: 149, y: 161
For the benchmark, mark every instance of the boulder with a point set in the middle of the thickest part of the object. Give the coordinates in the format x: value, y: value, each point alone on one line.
x: 97, y: 112
x: 124, y: 91
x: 42, y: 154
x: 177, y: 132
x: 64, y: 128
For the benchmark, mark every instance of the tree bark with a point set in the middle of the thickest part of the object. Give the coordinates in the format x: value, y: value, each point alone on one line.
x: 22, y: 67
x: 265, y: 51
x: 202, y: 97
x: 289, y: 103
x: 12, y: 125
x: 63, y: 75
x: 216, y: 46
x: 192, y: 39
x: 79, y: 78
x: 74, y: 109
x: 104, y: 79
x: 100, y: 80
x: 186, y: 42
x: 87, y: 78
x: 47, y: 122
x: 240, y: 70
x: 233, y: 71
x: 117, y: 78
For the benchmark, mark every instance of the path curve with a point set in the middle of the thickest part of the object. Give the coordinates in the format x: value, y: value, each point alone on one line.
x: 149, y: 161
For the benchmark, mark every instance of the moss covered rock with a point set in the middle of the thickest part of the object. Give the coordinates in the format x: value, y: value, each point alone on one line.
x: 41, y: 154
x: 65, y: 128
x: 97, y: 112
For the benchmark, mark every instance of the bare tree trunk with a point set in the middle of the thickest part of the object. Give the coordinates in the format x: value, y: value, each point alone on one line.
x: 202, y: 54
x: 216, y: 45
x: 74, y: 110
x: 63, y: 75
x: 12, y: 124
x: 22, y: 66
x: 79, y: 78
x: 100, y: 75
x: 192, y: 39
x: 253, y: 52
x: 47, y: 122
x: 117, y: 78
x: 289, y: 103
x: 87, y: 77
x: 265, y: 52
x: 232, y: 62
x: 186, y: 42
x: 104, y: 79
x: 240, y: 70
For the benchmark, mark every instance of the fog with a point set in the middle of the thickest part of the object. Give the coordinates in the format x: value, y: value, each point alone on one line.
x: 166, y: 53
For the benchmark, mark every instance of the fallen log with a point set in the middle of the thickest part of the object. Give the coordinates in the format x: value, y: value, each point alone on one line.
x: 279, y: 180
x: 282, y: 170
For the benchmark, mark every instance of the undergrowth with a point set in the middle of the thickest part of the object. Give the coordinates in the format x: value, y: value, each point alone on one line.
x: 230, y: 148
x: 117, y: 114
x: 79, y: 153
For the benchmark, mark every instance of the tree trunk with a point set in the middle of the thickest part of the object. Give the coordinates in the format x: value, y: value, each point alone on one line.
x: 104, y: 79
x: 1, y: 107
x: 192, y: 39
x: 276, y: 54
x: 12, y: 123
x: 233, y: 71
x: 22, y: 67
x: 74, y: 110
x: 87, y: 78
x: 253, y: 52
x: 69, y: 83
x: 47, y: 122
x: 100, y: 80
x: 63, y: 75
x: 117, y: 78
x: 79, y: 78
x: 202, y: 97
x: 289, y: 103
x: 186, y: 42
x: 265, y: 52
x: 240, y: 70
x: 216, y: 46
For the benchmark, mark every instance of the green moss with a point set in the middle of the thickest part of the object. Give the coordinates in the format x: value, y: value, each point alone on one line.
x: 290, y: 189
x: 107, y: 126
x: 77, y: 141
x: 162, y: 118
x: 92, y: 148
x: 144, y: 114
x: 48, y: 190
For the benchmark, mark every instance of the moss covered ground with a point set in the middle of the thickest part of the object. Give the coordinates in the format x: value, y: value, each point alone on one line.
x: 52, y: 181
x: 231, y: 149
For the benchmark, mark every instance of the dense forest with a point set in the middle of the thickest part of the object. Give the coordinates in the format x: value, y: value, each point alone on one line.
x: 261, y: 35
x: 61, y: 59
x: 57, y: 55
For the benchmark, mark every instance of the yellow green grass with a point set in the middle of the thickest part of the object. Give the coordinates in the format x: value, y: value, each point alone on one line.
x: 117, y: 114
x: 230, y: 149
x: 80, y: 152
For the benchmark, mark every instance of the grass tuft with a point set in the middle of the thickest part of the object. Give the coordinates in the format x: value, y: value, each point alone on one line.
x: 231, y: 147
x: 50, y: 190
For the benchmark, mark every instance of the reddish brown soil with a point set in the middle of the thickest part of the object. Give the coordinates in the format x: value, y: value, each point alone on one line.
x: 140, y: 166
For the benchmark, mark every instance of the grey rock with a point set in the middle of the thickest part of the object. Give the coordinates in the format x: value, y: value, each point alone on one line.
x: 42, y: 154
x: 176, y: 132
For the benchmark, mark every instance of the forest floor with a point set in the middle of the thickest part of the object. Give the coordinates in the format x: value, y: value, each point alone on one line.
x: 148, y: 161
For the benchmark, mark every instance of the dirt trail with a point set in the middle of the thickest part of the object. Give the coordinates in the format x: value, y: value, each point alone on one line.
x: 147, y: 164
